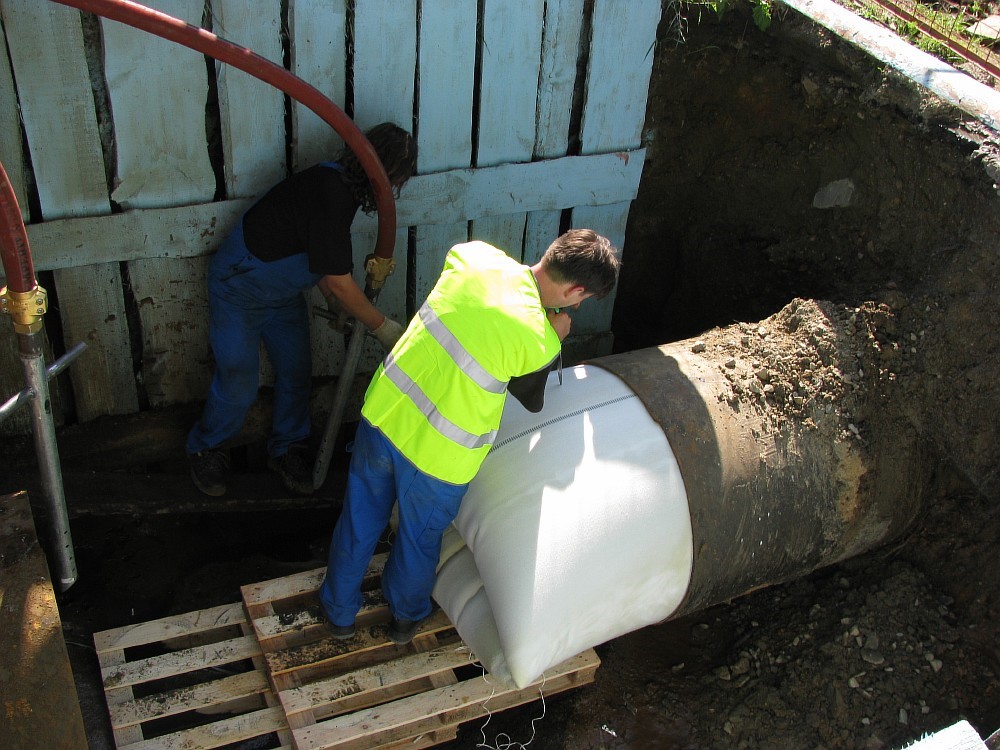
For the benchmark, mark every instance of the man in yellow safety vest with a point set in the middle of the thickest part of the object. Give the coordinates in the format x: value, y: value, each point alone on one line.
x: 433, y: 407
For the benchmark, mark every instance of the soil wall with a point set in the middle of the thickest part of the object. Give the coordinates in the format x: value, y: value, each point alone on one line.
x: 786, y: 164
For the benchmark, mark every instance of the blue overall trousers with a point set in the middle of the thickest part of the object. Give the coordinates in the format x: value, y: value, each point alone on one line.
x: 252, y: 301
x: 379, y: 477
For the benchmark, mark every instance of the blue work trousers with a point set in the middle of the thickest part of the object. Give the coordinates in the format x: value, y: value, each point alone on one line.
x: 379, y: 477
x: 252, y: 301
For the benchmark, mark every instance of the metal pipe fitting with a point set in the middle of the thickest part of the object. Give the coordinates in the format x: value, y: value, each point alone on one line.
x: 25, y: 308
x: 378, y: 269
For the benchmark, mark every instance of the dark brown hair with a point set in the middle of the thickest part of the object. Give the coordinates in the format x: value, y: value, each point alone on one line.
x: 396, y: 149
x: 584, y: 258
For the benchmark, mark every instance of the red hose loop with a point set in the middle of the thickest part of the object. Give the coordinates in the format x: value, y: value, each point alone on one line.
x: 250, y: 62
x: 16, y: 254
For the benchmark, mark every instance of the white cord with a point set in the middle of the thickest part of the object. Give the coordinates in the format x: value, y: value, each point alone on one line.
x: 503, y: 740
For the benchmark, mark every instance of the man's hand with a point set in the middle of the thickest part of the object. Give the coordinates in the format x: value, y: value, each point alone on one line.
x: 561, y: 322
x: 339, y: 319
x: 388, y: 333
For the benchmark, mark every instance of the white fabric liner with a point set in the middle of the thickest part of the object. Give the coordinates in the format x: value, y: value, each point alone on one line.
x: 575, y: 531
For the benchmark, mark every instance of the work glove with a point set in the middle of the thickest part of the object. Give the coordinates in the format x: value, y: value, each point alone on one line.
x: 388, y: 333
x: 339, y: 319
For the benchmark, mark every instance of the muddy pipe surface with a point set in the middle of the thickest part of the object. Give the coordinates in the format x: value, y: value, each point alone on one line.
x: 780, y: 483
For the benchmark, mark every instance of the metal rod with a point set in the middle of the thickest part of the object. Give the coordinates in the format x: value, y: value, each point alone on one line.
x: 326, y: 445
x: 21, y: 397
x: 63, y: 561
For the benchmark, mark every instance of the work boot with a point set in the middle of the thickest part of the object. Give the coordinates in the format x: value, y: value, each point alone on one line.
x: 401, y: 632
x: 210, y: 471
x: 340, y: 632
x: 295, y: 468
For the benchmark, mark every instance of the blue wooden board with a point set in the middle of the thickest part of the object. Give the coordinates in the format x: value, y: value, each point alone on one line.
x: 318, y: 43
x: 511, y: 59
x: 385, y: 56
x: 594, y: 315
x: 252, y: 112
x: 447, y: 76
x: 443, y: 198
x: 433, y: 243
x: 560, y: 49
x: 621, y: 60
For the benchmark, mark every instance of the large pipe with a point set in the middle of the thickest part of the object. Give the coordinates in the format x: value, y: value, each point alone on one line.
x: 176, y: 30
x: 770, y: 499
x: 659, y: 482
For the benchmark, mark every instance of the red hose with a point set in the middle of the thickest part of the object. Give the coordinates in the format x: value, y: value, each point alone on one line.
x: 14, y: 250
x: 250, y: 62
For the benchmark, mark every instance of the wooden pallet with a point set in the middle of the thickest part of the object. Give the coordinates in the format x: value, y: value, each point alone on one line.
x: 268, y: 666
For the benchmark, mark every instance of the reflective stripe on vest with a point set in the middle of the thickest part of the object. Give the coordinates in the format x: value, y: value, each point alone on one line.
x: 458, y: 353
x: 439, y: 397
x: 437, y: 420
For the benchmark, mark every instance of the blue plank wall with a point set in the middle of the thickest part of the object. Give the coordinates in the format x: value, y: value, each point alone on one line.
x: 487, y: 87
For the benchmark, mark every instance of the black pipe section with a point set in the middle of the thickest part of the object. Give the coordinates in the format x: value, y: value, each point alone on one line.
x: 770, y: 500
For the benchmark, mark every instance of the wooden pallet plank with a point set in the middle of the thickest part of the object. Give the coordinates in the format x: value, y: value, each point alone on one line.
x: 430, y: 739
x: 181, y: 700
x: 219, y: 733
x: 269, y: 625
x: 180, y: 662
x: 166, y: 628
x: 348, y: 692
x: 299, y: 584
x: 451, y: 705
x: 115, y: 659
x: 329, y: 649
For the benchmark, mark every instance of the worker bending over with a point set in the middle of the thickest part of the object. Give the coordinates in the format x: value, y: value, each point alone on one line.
x: 296, y: 236
x: 433, y: 407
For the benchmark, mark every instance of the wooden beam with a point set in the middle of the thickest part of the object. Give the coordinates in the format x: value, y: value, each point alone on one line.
x: 442, y: 198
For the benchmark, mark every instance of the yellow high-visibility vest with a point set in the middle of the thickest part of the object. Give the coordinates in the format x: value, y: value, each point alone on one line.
x: 438, y: 396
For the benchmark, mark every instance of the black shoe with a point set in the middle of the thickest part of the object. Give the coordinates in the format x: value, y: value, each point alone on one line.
x: 337, y: 631
x: 401, y: 632
x: 210, y: 471
x: 295, y: 468
x: 341, y: 632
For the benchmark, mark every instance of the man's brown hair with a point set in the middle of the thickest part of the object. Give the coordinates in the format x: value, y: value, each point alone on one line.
x: 585, y: 258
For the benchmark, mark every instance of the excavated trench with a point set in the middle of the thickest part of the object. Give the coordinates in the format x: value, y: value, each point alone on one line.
x: 823, y: 237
